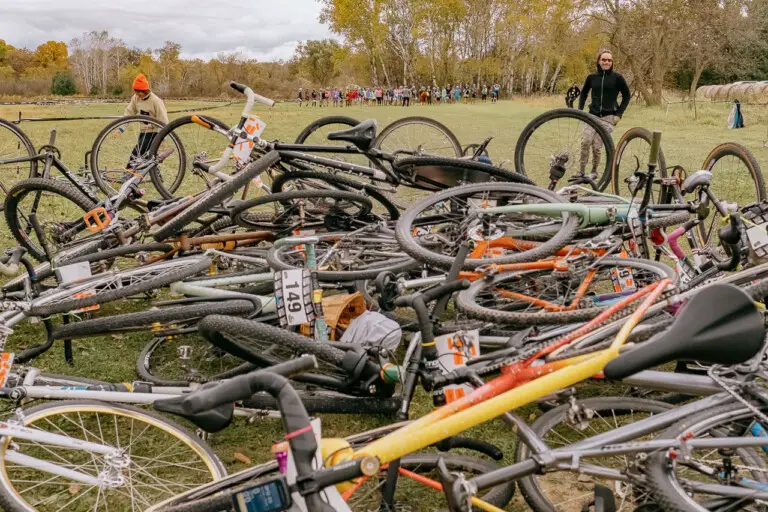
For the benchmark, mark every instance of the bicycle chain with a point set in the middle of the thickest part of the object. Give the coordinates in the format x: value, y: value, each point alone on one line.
x: 730, y: 390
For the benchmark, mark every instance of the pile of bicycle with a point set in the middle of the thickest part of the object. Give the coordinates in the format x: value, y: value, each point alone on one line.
x: 341, y: 275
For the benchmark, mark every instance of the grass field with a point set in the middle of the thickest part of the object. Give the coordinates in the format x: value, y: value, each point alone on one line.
x: 686, y: 142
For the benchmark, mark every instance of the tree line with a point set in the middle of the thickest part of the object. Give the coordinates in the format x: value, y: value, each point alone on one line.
x: 532, y: 47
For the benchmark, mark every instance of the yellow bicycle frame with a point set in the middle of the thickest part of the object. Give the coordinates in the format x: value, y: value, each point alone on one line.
x: 407, y: 440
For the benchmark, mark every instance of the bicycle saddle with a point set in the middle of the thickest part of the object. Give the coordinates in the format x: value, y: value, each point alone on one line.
x: 361, y: 135
x: 696, y: 180
x: 719, y: 325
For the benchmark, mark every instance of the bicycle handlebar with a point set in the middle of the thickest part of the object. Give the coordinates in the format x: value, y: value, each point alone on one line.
x: 434, y: 293
x: 232, y: 390
x: 9, y: 265
x: 251, y: 97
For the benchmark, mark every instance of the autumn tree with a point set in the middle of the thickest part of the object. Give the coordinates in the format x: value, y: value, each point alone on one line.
x: 319, y: 60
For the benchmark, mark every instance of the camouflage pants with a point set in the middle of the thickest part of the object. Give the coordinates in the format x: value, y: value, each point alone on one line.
x: 590, y: 140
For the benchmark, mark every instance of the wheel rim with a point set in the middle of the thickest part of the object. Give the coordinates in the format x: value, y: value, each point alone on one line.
x: 560, y: 139
x: 160, y: 464
x: 126, y: 146
x: 420, y: 138
x: 50, y: 208
x: 569, y: 491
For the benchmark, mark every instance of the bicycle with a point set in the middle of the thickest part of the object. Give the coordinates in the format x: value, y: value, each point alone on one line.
x: 365, y: 462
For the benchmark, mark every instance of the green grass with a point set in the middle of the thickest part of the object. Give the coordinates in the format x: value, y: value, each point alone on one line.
x: 112, y: 358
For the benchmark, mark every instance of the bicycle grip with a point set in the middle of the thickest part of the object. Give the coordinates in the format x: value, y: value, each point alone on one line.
x: 238, y: 87
x: 653, y: 159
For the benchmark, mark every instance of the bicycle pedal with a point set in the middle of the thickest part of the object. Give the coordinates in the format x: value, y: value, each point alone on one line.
x: 97, y: 219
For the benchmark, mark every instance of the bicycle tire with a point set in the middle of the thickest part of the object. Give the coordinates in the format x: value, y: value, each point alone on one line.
x: 472, y: 168
x: 183, y: 268
x: 25, y: 144
x: 328, y: 402
x: 410, y: 246
x: 633, y: 133
x: 390, y: 128
x: 666, y: 489
x: 20, y: 190
x: 750, y: 162
x: 214, y: 326
x: 243, y: 218
x: 157, y: 181
x: 101, y: 137
x: 341, y: 182
x: 571, y: 113
x: 466, y: 300
x: 215, y: 196
x: 12, y: 501
x: 117, y: 252
x: 529, y: 487
x: 145, y: 319
x: 323, y: 121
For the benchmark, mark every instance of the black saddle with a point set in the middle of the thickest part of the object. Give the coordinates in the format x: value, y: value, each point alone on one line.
x: 696, y: 180
x: 719, y: 325
x: 361, y: 135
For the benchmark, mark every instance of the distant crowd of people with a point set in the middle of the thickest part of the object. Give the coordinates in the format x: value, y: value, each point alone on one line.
x: 402, y: 96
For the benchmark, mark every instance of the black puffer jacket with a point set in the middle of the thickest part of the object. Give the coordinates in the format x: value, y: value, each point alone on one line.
x: 606, y: 87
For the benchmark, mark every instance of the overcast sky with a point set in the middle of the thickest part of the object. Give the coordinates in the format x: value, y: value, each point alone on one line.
x: 263, y: 29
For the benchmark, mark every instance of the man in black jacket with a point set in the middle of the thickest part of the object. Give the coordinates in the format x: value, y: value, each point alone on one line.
x: 605, y: 86
x: 571, y: 95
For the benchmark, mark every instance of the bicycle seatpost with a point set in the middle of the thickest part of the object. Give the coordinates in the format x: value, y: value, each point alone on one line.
x: 653, y: 162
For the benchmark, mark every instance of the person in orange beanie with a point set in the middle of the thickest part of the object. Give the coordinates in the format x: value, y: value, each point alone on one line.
x: 146, y: 103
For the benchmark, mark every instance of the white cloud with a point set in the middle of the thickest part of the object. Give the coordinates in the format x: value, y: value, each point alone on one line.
x: 262, y: 29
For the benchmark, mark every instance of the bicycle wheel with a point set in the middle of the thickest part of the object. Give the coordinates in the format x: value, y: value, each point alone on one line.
x: 431, y: 230
x: 216, y: 195
x: 316, y: 133
x: 53, y: 202
x: 161, y: 459
x: 102, y: 289
x: 554, y: 296
x: 125, y: 143
x: 708, y: 475
x: 200, y: 144
x: 632, y: 152
x: 343, y: 257
x: 558, y: 491
x: 323, y: 181
x: 265, y: 345
x: 180, y: 358
x: 153, y: 319
x: 14, y: 144
x: 304, y: 209
x: 737, y: 181
x: 570, y: 138
x: 418, y: 136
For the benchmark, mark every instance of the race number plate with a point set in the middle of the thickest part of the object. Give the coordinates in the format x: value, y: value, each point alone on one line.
x: 293, y: 291
x: 6, y: 362
x: 453, y: 351
x: 242, y: 150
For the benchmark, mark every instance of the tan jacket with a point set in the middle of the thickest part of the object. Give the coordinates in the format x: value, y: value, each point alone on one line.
x: 153, y: 106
